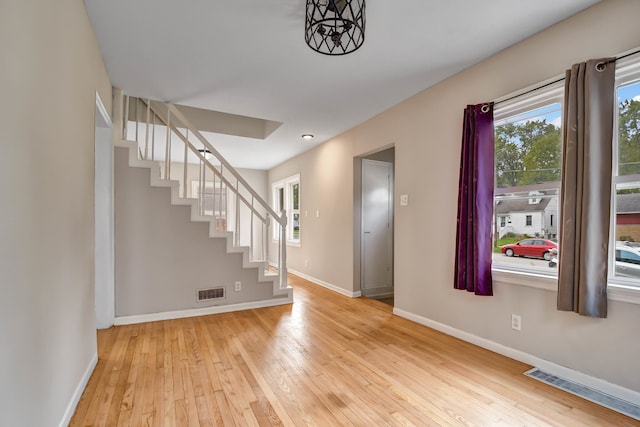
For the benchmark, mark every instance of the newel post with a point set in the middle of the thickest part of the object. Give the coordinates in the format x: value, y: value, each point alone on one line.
x: 282, y: 268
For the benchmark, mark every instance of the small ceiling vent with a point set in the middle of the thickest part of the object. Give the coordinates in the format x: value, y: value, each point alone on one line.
x: 211, y: 293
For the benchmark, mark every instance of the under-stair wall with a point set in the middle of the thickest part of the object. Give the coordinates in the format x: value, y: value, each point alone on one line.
x: 163, y: 258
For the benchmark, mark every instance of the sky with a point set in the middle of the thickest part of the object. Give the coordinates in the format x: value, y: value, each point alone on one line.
x: 630, y: 91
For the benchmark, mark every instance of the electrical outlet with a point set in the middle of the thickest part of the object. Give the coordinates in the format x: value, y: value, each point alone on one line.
x: 238, y: 286
x: 516, y: 322
x: 404, y: 200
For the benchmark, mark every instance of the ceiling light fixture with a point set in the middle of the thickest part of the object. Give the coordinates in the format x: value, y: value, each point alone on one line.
x: 334, y: 27
x: 307, y: 136
x: 206, y: 153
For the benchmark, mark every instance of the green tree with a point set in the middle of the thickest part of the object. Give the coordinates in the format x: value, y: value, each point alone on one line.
x: 508, y: 156
x: 629, y: 137
x: 527, y: 153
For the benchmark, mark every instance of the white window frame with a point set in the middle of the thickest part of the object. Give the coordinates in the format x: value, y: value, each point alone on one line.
x: 619, y: 289
x: 286, y: 186
x: 538, y: 98
x: 627, y: 72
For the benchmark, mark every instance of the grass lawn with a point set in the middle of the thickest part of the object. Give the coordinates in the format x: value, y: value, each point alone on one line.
x: 506, y: 241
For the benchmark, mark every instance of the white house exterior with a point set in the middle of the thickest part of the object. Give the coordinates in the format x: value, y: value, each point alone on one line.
x: 531, y: 217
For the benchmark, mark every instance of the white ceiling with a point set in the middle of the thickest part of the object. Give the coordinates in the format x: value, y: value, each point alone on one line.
x: 248, y: 57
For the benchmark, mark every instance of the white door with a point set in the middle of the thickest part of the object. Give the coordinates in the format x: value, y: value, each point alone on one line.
x: 377, y: 229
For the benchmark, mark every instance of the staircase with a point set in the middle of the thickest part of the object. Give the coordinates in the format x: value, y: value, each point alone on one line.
x: 160, y: 139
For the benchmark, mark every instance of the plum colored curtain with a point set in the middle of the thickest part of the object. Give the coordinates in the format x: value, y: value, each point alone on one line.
x: 475, y: 202
x: 586, y: 187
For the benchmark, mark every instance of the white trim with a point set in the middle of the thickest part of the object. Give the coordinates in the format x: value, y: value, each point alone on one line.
x: 334, y: 288
x: 103, y: 111
x: 77, y: 394
x: 104, y: 217
x: 287, y: 194
x: 550, y: 367
x: 621, y: 293
x: 525, y: 278
x: 181, y: 314
x: 615, y: 291
x: 523, y: 101
x: 627, y: 69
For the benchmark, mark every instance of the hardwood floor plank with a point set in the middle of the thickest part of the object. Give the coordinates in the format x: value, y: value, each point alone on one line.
x: 326, y: 360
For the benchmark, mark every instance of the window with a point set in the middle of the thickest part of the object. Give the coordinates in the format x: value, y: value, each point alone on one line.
x: 212, y: 201
x: 527, y: 181
x: 295, y: 210
x: 625, y: 268
x: 286, y: 195
x: 528, y: 161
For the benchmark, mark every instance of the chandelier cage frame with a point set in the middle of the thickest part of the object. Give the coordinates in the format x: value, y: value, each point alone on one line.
x: 335, y: 27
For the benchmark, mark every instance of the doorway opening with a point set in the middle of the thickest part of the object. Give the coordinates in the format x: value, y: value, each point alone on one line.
x: 373, y: 224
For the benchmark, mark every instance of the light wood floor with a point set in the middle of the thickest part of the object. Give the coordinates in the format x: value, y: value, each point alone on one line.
x: 326, y: 360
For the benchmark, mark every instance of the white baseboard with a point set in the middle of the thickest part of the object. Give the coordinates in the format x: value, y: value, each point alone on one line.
x: 181, y: 314
x: 77, y: 394
x: 329, y: 286
x: 547, y: 366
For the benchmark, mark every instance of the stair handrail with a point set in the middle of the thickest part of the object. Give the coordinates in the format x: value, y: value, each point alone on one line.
x: 282, y: 220
x: 173, y: 111
x: 230, y: 168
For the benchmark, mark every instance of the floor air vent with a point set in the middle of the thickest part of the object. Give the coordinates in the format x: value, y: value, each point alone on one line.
x: 211, y: 293
x: 585, y: 392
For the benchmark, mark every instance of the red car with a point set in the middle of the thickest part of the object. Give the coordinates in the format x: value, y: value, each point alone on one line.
x: 537, y: 248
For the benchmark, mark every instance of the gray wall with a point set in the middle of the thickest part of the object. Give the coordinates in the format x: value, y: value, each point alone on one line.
x: 51, y: 69
x: 162, y: 257
x: 426, y: 133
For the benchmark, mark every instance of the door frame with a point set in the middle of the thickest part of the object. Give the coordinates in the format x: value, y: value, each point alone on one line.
x: 357, y: 213
x: 388, y: 164
x: 104, y: 221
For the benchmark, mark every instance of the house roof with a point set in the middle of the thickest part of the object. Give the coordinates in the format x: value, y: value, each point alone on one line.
x: 625, y: 204
x: 628, y: 203
x: 520, y: 205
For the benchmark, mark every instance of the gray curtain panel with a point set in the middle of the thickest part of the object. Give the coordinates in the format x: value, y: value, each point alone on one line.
x: 586, y: 187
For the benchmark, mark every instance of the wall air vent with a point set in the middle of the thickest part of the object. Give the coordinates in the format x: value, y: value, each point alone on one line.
x: 210, y: 294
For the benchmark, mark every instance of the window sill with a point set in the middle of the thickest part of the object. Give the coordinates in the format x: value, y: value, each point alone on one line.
x: 615, y: 291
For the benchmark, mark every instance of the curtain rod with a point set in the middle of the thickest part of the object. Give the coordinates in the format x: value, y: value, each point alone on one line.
x: 562, y: 78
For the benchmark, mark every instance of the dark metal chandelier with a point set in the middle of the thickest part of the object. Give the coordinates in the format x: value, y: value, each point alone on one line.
x: 334, y: 27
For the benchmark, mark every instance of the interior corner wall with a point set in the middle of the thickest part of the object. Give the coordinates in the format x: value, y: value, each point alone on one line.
x: 426, y: 131
x: 51, y: 69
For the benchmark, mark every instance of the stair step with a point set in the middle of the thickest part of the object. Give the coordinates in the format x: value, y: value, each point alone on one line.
x: 176, y: 200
